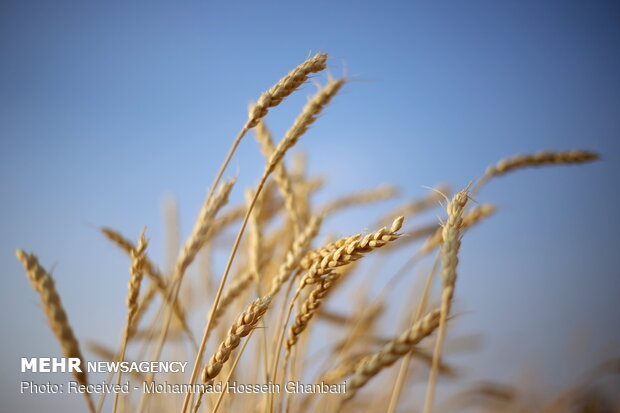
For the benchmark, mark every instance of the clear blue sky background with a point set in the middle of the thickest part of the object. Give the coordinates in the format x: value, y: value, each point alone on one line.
x: 107, y: 107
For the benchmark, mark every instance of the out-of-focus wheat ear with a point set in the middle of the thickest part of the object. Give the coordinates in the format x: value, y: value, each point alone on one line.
x: 154, y: 274
x: 237, y: 287
x: 43, y: 283
x: 255, y: 241
x: 380, y: 193
x: 451, y: 234
x: 391, y: 352
x: 543, y: 158
x: 136, y: 272
x: 295, y: 254
x: 199, y: 234
x: 281, y: 176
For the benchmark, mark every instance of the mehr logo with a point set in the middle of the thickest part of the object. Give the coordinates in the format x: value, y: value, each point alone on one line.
x: 51, y: 365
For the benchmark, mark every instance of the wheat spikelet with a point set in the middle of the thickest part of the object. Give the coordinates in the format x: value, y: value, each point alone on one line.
x: 287, y: 85
x: 307, y: 117
x: 318, y: 254
x: 391, y: 352
x: 539, y: 159
x: 135, y: 280
x: 365, y: 197
x: 43, y: 283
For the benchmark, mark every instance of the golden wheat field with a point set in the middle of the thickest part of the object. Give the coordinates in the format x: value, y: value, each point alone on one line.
x: 288, y: 322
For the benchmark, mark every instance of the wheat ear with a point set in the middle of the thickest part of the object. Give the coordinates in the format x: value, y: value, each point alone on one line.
x: 451, y: 234
x: 309, y: 308
x: 391, y: 352
x: 353, y: 249
x: 542, y: 158
x: 136, y: 271
x: 244, y: 324
x: 43, y: 283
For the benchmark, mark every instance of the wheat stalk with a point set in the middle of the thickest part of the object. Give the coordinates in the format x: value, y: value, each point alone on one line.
x: 451, y: 234
x: 43, y: 283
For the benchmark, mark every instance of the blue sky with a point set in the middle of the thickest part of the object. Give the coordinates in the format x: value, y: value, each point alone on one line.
x: 107, y: 108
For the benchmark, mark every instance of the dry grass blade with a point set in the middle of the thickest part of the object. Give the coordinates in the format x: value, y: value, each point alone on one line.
x: 43, y: 283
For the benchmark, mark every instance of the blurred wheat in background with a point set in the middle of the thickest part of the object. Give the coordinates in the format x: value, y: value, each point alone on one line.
x: 262, y: 308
